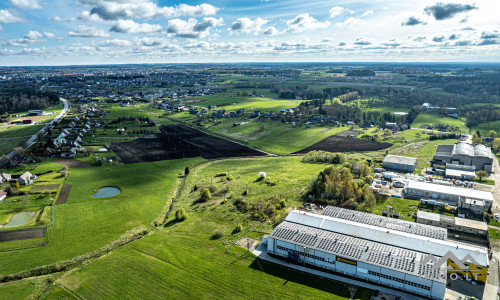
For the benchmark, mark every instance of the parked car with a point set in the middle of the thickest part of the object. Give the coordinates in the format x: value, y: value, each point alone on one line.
x: 497, y: 216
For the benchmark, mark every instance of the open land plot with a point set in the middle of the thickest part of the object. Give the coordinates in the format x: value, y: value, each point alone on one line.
x: 72, y: 163
x: 274, y: 137
x: 184, y: 261
x: 85, y: 224
x: 344, y: 144
x: 176, y: 142
x: 21, y: 234
x: 63, y: 194
x: 429, y: 118
x: 484, y: 128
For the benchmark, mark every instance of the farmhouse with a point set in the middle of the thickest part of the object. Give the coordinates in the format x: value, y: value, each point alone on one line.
x: 369, y: 252
x: 27, y: 178
x: 5, y: 177
x: 400, y: 163
x: 446, y: 194
x: 462, y: 153
x: 3, y: 194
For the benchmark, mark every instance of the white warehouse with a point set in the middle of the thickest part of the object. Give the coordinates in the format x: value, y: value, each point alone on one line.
x: 375, y: 253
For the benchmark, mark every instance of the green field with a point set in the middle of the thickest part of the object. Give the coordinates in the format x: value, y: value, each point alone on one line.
x: 429, y: 118
x: 184, y: 261
x: 486, y: 127
x: 84, y: 223
x: 12, y: 136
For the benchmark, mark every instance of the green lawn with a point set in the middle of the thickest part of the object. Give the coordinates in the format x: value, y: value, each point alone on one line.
x: 494, y: 233
x: 84, y: 223
x: 431, y: 118
x: 406, y: 206
x: 486, y: 127
x: 11, y: 136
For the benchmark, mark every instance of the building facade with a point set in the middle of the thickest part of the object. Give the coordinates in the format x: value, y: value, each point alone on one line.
x: 400, y: 163
x: 478, y: 156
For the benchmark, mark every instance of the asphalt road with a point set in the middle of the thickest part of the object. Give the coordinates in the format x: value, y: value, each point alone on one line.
x: 58, y: 118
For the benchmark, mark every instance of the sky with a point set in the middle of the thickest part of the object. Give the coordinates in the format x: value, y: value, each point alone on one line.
x: 73, y: 32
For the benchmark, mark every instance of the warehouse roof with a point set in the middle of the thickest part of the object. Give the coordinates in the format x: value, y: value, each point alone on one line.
x: 427, y: 216
x: 403, y: 160
x: 471, y: 224
x: 390, y: 237
x: 467, y: 193
x: 385, y: 222
x: 459, y: 173
x: 358, y: 249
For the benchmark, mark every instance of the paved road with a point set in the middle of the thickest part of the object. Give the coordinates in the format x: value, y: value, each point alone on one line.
x: 58, y: 118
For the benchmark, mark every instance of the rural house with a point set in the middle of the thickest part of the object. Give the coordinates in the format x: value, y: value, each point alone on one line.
x: 3, y: 194
x: 4, y: 177
x: 27, y: 178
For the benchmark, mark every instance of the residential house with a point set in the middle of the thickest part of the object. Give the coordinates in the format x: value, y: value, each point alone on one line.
x: 27, y: 178
x: 4, y: 177
x: 3, y: 194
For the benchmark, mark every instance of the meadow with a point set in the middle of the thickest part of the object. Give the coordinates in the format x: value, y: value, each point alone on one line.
x: 430, y: 118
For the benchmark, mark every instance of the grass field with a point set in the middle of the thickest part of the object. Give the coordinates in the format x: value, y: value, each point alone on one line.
x: 184, y: 261
x: 484, y: 128
x: 12, y: 136
x: 84, y: 223
x: 406, y: 206
x: 429, y: 118
x: 494, y: 233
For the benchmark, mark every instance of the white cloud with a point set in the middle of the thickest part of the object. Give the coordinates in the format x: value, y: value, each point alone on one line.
x: 115, y: 10
x: 115, y: 43
x: 247, y: 25
x: 59, y: 19
x: 305, y: 22
x: 192, y: 28
x: 338, y: 10
x: 88, y: 31
x: 6, y: 16
x: 33, y: 35
x: 152, y: 42
x: 351, y: 21
x: 129, y: 26
x: 271, y: 30
x: 367, y: 13
x: 26, y: 4
x: 49, y: 35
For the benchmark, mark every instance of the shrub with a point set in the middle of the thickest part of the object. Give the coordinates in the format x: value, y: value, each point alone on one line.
x: 282, y: 203
x: 205, y: 195
x: 217, y: 235
x: 186, y: 171
x: 181, y: 214
x: 270, y: 182
x: 221, y: 174
x: 238, y: 228
x: 63, y: 173
x: 229, y: 177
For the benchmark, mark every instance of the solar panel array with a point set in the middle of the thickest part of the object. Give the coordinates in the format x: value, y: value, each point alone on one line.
x: 385, y: 222
x: 428, y: 271
x: 387, y: 256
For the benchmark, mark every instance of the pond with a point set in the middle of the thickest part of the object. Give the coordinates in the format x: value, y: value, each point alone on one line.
x: 20, y: 219
x: 107, y: 191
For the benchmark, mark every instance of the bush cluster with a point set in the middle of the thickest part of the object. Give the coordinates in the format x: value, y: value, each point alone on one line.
x: 323, y: 156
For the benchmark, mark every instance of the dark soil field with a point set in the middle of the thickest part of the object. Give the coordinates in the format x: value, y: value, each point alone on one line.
x: 177, y: 141
x: 22, y: 234
x: 63, y: 195
x: 72, y: 163
x: 337, y: 143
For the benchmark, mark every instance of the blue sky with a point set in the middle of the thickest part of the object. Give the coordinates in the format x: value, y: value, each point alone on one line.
x: 59, y: 32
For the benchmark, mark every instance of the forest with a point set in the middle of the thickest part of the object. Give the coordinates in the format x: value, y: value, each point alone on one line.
x: 15, y: 100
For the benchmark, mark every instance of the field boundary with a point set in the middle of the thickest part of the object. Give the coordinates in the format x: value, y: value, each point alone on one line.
x: 32, y: 233
x: 63, y: 194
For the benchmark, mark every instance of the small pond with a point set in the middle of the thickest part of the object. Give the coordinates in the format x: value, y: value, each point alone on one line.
x: 20, y: 219
x: 107, y: 191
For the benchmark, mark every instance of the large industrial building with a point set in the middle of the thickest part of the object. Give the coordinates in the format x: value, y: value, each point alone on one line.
x: 447, y: 194
x: 400, y: 163
x: 372, y: 252
x: 462, y: 153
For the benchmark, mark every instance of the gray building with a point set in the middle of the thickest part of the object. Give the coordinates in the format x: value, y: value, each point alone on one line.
x: 400, y: 163
x: 446, y: 194
x: 453, y: 223
x: 478, y: 156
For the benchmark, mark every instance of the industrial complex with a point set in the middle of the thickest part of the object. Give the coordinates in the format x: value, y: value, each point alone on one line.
x: 478, y: 156
x: 377, y: 249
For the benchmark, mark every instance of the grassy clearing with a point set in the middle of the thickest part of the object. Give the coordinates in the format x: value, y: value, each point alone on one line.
x: 429, y: 118
x: 485, y: 181
x: 486, y: 127
x: 406, y: 206
x: 85, y: 223
x: 494, y: 233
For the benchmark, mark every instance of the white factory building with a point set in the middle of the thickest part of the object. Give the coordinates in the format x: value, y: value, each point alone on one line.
x: 370, y: 252
x: 447, y: 194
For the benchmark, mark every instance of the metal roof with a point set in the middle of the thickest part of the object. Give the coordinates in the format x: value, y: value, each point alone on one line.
x: 482, y: 151
x: 427, y: 216
x: 463, y: 148
x: 436, y: 188
x: 471, y: 224
x: 385, y: 222
x: 459, y: 173
x: 389, y: 237
x: 389, y: 257
x: 400, y: 160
